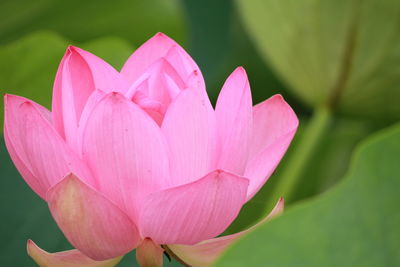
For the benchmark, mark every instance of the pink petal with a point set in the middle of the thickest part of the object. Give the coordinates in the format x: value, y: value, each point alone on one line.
x: 234, y: 119
x: 72, y: 86
x: 65, y: 258
x: 274, y: 125
x: 126, y: 151
x: 78, y: 75
x: 149, y: 254
x: 33, y: 143
x: 105, y: 77
x: 271, y: 119
x: 207, y: 252
x: 186, y: 67
x: 190, y: 130
x: 12, y: 104
x: 161, y: 46
x: 193, y: 212
x: 91, y: 222
x: 157, y: 87
x: 91, y: 103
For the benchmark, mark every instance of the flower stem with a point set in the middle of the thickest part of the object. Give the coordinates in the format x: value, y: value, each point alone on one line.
x: 300, y: 157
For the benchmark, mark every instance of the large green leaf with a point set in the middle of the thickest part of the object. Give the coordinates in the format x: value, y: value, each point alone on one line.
x: 219, y: 44
x: 134, y: 20
x: 325, y: 168
x: 355, y: 224
x: 343, y: 53
x: 28, y: 66
x: 113, y: 50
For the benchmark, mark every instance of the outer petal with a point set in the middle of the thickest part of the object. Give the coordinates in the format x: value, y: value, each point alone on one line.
x: 186, y: 67
x: 126, y: 151
x: 78, y: 75
x: 105, y: 77
x: 274, y: 125
x: 272, y: 119
x: 65, y: 258
x: 190, y: 130
x: 92, y: 102
x: 92, y: 224
x: 33, y: 143
x: 161, y: 46
x: 206, y: 252
x: 193, y: 212
x: 234, y: 119
x: 12, y: 104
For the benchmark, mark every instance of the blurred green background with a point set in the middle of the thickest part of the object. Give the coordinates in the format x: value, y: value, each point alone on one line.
x: 337, y: 63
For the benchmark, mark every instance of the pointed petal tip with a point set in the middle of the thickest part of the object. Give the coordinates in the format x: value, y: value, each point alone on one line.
x: 33, y: 250
x: 160, y: 34
x: 78, y: 50
x: 239, y: 73
x: 8, y: 96
x: 73, y: 49
x: 29, y: 245
x: 278, y: 97
x: 280, y: 100
x: 278, y: 209
x: 113, y: 97
x: 68, y: 51
x: 16, y: 101
x: 19, y: 101
x: 241, y: 69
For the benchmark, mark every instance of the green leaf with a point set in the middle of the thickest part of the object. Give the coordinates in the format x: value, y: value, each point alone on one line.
x: 355, y: 224
x: 134, y: 20
x: 24, y: 216
x: 113, y: 50
x: 28, y: 66
x: 219, y: 44
x: 325, y: 168
x: 343, y: 53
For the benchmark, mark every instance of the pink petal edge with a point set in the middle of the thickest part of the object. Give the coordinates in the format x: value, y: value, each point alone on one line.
x: 205, y: 253
x: 33, y: 143
x: 162, y: 46
x: 195, y: 211
x: 126, y: 151
x: 79, y: 74
x: 90, y: 222
x: 274, y: 126
x: 234, y: 120
x: 65, y: 258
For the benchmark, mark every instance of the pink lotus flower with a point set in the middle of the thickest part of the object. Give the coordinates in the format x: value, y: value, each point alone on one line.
x: 140, y: 158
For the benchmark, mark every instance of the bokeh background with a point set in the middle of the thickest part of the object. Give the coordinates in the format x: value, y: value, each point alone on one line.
x: 337, y: 63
